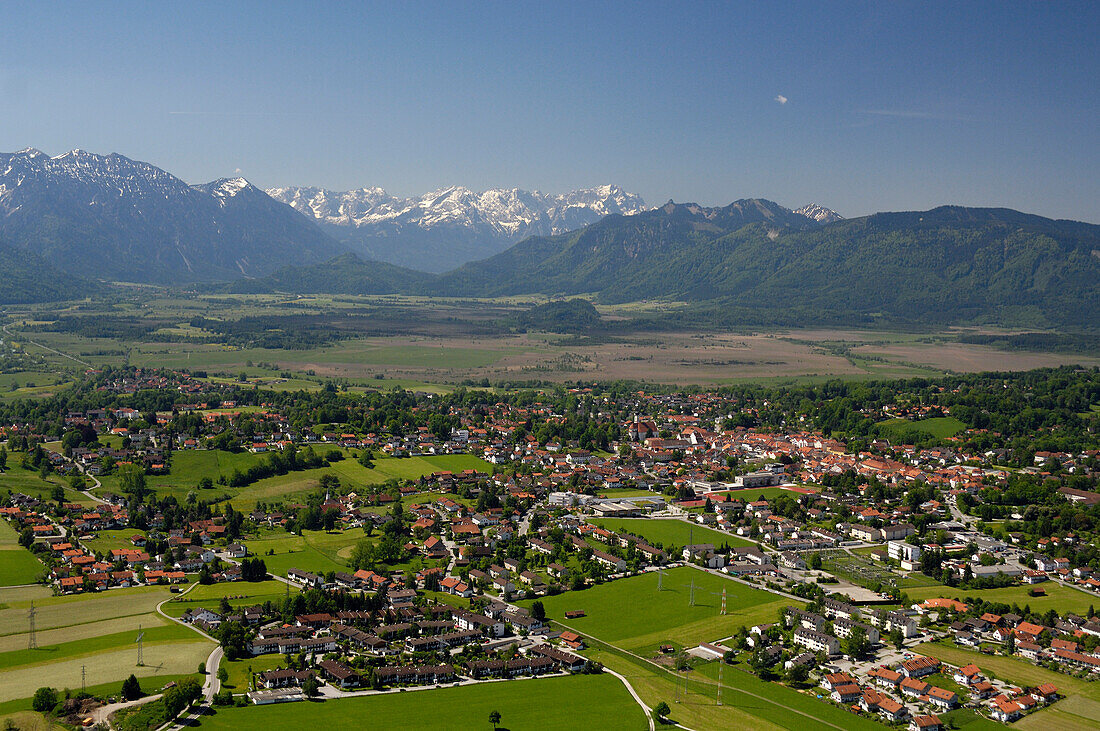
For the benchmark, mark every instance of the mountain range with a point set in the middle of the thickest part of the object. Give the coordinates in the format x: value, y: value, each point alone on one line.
x: 77, y: 217
x: 110, y: 217
x: 757, y: 263
x: 446, y: 228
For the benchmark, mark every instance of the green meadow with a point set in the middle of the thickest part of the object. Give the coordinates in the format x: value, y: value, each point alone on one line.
x: 17, y: 564
x: 635, y: 614
x: 543, y: 704
x: 670, y: 532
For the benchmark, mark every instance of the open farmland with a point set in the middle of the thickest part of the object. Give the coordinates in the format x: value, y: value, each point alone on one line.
x: 416, y: 342
x: 670, y: 532
x: 633, y: 614
x: 578, y: 701
x: 96, y: 631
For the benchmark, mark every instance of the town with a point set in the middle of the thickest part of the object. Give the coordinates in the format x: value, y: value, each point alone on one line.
x: 888, y: 561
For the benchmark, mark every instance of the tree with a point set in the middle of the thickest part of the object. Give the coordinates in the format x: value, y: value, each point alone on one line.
x: 131, y: 689
x: 45, y: 699
x: 856, y: 644
x: 798, y: 674
x: 897, y: 639
x: 661, y: 710
x: 223, y: 675
x: 57, y: 493
x: 494, y: 718
x: 131, y: 480
x: 311, y: 687
x: 538, y: 611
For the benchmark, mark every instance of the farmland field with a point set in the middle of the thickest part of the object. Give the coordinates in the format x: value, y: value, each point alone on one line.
x: 17, y: 564
x: 578, y: 701
x: 447, y: 341
x: 631, y: 613
x: 670, y: 532
x: 96, y: 631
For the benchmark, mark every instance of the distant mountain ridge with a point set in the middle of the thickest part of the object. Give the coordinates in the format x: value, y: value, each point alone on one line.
x: 755, y: 261
x: 443, y: 229
x: 111, y: 217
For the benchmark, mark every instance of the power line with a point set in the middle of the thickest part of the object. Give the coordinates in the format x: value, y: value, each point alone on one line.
x: 140, y: 636
x: 32, y: 641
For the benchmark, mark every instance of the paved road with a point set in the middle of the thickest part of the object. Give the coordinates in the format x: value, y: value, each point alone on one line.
x: 637, y: 698
x: 100, y: 714
x: 25, y: 339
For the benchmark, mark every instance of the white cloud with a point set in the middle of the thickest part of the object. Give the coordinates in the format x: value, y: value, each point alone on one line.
x: 237, y: 171
x: 781, y: 99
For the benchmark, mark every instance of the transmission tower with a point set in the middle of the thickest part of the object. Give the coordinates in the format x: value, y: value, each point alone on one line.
x: 721, y: 662
x: 32, y: 641
x: 141, y: 635
x: 691, y: 597
x: 660, y: 580
x: 82, y: 688
x: 723, y: 606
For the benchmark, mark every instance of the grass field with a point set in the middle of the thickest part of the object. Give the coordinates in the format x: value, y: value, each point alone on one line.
x: 188, y: 467
x: 578, y: 701
x: 939, y: 427
x: 108, y: 540
x: 238, y: 593
x: 238, y: 669
x: 670, y: 532
x: 631, y: 613
x: 1060, y: 598
x: 17, y: 564
x: 315, y: 551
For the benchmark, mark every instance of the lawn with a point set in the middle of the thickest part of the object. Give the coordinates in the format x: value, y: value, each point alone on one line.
x: 578, y: 701
x: 670, y: 532
x: 632, y: 613
x: 1060, y: 598
x: 17, y: 564
x: 238, y: 669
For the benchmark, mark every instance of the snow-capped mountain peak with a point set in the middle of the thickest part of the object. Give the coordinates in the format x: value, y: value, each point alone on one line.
x: 821, y: 214
x: 506, y: 211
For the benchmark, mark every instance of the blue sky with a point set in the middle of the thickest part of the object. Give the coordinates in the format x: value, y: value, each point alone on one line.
x: 889, y: 105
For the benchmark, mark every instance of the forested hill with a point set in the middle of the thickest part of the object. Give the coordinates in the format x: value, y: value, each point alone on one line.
x: 947, y: 265
x: 346, y: 274
x: 26, y: 277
